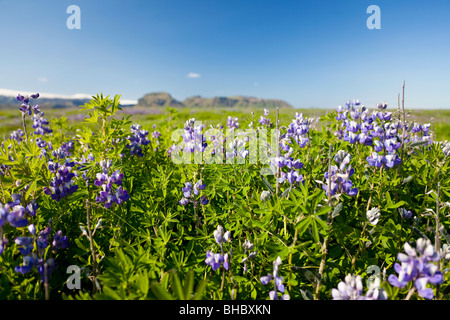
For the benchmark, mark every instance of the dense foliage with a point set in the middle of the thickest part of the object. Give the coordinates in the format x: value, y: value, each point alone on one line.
x: 354, y: 209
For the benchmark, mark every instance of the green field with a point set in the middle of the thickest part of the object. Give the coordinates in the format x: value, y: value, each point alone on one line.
x: 10, y: 119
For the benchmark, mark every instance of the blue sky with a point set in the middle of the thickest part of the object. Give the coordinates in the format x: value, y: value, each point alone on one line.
x: 309, y: 53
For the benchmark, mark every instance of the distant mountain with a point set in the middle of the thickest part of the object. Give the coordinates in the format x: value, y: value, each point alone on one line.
x: 159, y: 99
x: 153, y: 100
x: 163, y: 99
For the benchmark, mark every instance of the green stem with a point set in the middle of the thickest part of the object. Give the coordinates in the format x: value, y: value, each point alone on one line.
x: 325, y: 241
x: 437, y: 242
x: 290, y: 255
x: 91, y: 241
x: 24, y: 123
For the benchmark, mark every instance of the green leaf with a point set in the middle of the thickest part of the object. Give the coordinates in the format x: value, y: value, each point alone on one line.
x: 143, y: 282
x: 267, y: 183
x: 176, y: 285
x: 323, y: 210
x: 200, y: 290
x: 31, y: 188
x: 159, y: 292
x: 303, y: 225
x: 315, y: 231
x: 285, y: 193
x: 396, y: 205
x: 337, y: 210
x: 188, y: 284
x: 322, y: 223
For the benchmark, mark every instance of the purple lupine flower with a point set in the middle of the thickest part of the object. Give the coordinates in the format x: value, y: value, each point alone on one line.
x: 193, y: 139
x: 416, y: 128
x: 41, y: 143
x: 351, y: 137
x: 382, y: 105
x: 226, y: 264
x: 17, y: 135
x: 293, y: 177
x: 121, y: 195
x: 29, y: 261
x: 4, y: 212
x: 32, y: 207
x: 183, y: 201
x: 365, y: 139
x: 376, y: 160
x: 62, y: 184
x: 248, y: 246
x: 33, y: 259
x: 265, y: 120
x: 278, y: 282
x: 187, y: 189
x: 266, y: 279
x: 198, y: 186
x: 392, y: 160
x: 190, y: 191
x: 60, y: 241
x: 42, y: 240
x: 40, y: 125
x: 280, y: 162
x: 392, y: 144
x: 353, y: 126
x: 339, y: 178
x: 352, y: 289
x: 137, y: 140
x: 26, y: 108
x: 32, y: 229
x: 3, y: 169
x: 107, y: 195
x: 49, y: 264
x: 26, y: 245
x: 378, y: 145
x: 417, y: 266
x: 406, y: 214
x: 215, y: 260
x: 16, y: 216
x: 3, y: 243
x: 156, y: 134
x: 220, y: 236
x: 232, y: 123
x: 299, y: 130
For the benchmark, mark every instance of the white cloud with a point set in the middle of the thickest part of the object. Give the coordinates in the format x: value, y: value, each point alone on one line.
x: 193, y: 75
x: 42, y: 79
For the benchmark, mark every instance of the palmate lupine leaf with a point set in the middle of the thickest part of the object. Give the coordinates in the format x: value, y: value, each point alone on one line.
x: 303, y: 225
